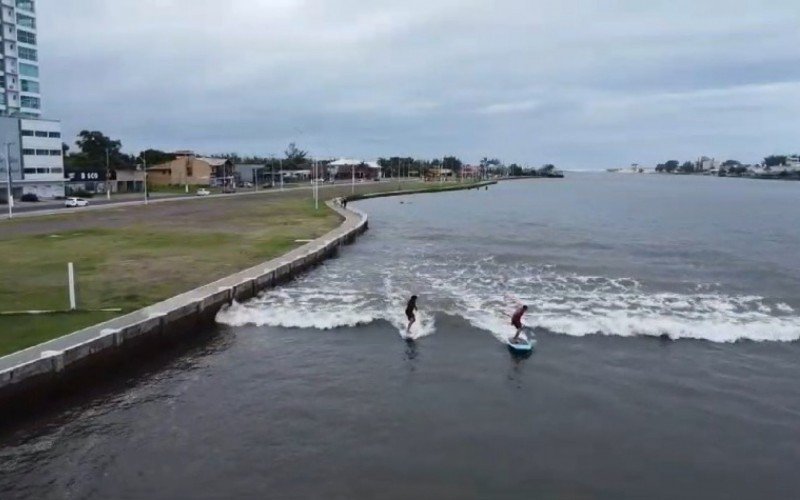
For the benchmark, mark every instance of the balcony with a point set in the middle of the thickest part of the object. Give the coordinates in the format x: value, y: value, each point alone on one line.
x: 26, y: 5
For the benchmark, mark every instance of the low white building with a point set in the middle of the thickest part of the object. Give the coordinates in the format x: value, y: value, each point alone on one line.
x: 42, y: 158
x: 31, y: 147
x: 706, y: 164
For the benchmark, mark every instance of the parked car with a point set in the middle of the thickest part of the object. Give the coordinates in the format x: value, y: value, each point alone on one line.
x: 75, y: 202
x: 203, y: 192
x: 32, y: 197
x: 246, y: 184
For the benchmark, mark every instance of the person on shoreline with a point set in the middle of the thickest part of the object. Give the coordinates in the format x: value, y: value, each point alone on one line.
x: 516, y: 321
x: 410, y: 308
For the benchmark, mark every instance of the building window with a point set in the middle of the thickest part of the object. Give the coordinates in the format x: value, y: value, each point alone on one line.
x: 41, y: 152
x: 29, y: 54
x: 30, y: 170
x: 30, y: 102
x: 26, y: 21
x: 30, y: 86
x: 40, y: 133
x: 55, y: 152
x: 42, y: 170
x: 28, y: 152
x: 56, y: 170
x: 26, y: 5
x: 54, y: 135
x: 28, y: 70
x: 26, y: 133
x: 26, y: 37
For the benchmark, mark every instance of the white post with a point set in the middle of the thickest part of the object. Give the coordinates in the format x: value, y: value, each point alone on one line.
x: 108, y: 176
x: 280, y: 166
x: 71, y: 275
x: 353, y: 184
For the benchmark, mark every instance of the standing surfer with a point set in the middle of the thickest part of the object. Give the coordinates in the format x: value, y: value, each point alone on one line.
x: 410, y: 308
x: 516, y: 321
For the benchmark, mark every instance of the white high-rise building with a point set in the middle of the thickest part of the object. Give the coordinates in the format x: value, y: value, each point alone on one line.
x: 19, y: 60
x: 31, y: 158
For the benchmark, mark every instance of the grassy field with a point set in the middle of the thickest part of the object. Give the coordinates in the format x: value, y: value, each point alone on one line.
x: 131, y: 257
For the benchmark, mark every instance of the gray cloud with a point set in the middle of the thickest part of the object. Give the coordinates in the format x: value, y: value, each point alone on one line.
x: 584, y: 84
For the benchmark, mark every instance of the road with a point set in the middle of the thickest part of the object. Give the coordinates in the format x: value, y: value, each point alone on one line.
x: 32, y: 210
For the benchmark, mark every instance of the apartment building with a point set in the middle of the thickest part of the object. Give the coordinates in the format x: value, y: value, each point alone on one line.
x: 19, y: 59
x: 35, y: 161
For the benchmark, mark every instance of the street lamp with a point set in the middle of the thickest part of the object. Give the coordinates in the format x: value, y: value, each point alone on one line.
x: 9, y: 191
x: 144, y: 168
x: 108, y: 176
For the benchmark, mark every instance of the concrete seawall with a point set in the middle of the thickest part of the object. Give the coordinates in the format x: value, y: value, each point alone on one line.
x: 30, y: 378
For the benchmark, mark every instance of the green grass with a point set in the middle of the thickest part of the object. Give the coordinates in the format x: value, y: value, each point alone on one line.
x: 138, y: 256
x: 18, y: 333
x: 137, y: 265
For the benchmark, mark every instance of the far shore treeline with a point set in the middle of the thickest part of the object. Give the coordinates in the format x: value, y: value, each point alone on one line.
x: 94, y: 151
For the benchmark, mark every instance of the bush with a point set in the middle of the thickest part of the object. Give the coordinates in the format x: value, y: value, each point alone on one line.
x: 29, y: 197
x: 81, y: 194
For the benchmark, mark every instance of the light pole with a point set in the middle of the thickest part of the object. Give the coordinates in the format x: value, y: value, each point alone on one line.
x: 108, y: 176
x: 9, y: 191
x: 316, y: 185
x: 144, y: 167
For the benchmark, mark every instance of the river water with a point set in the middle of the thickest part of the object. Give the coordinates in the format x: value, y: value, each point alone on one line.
x: 667, y: 314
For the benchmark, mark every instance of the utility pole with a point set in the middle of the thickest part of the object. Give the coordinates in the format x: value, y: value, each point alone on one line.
x: 353, y: 184
x: 144, y: 165
x: 316, y: 185
x: 9, y: 191
x: 280, y: 166
x: 108, y: 175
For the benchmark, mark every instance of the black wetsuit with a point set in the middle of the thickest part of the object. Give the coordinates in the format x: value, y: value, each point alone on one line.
x: 410, y: 308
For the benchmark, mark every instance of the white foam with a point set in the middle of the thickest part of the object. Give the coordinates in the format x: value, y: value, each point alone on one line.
x: 352, y: 292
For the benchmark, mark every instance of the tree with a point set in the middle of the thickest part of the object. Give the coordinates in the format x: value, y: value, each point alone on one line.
x: 514, y: 170
x: 775, y: 160
x: 546, y: 170
x: 452, y: 163
x: 731, y: 163
x: 294, y: 155
x: 94, y: 146
x: 687, y: 167
x: 156, y: 157
x: 671, y: 166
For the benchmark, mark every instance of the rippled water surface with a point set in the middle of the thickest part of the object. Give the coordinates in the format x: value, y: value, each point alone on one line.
x: 309, y: 391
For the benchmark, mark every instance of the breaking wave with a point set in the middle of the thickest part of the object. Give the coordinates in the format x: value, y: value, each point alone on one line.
x: 484, y: 293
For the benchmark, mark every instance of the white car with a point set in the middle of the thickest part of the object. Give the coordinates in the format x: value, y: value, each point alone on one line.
x: 203, y: 192
x: 75, y: 202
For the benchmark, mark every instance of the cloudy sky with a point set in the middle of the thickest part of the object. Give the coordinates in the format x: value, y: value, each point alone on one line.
x: 580, y: 83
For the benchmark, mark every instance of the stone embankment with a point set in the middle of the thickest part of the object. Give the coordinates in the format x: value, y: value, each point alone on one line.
x: 31, y: 377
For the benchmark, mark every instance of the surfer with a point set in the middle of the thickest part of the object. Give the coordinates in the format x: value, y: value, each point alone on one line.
x: 516, y: 321
x: 410, y: 308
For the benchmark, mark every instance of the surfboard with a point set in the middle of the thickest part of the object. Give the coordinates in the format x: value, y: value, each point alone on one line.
x: 523, y: 344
